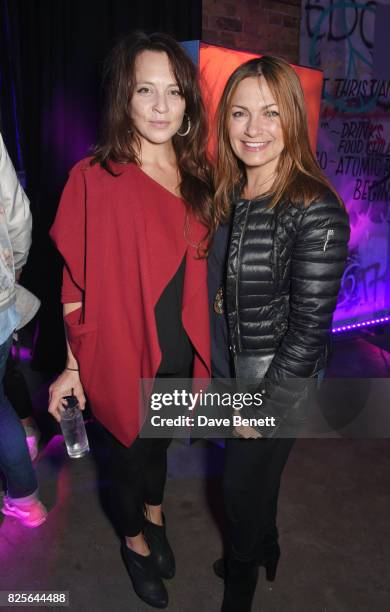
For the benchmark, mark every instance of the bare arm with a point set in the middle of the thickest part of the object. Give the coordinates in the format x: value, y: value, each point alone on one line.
x: 69, y: 379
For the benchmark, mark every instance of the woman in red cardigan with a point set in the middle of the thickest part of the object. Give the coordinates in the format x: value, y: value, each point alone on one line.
x: 132, y: 226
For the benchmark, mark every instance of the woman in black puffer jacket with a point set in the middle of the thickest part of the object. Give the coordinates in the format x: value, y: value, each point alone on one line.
x: 286, y: 257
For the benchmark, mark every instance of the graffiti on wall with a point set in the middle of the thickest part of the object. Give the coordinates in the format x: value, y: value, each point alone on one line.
x: 353, y: 146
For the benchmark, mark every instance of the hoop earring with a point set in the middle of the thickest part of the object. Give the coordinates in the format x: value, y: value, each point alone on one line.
x: 187, y: 131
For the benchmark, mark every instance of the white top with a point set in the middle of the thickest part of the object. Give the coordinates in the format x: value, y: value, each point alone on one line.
x: 15, y: 239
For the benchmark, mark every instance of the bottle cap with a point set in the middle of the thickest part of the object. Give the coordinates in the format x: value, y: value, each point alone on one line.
x: 71, y: 401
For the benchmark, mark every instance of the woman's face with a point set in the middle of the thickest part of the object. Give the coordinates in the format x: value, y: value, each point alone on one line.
x: 255, y: 131
x: 156, y: 107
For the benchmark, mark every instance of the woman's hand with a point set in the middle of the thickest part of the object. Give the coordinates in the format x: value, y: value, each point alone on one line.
x: 244, y: 431
x: 67, y: 383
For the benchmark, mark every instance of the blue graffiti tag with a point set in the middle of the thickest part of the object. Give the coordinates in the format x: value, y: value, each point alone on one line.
x: 364, y: 105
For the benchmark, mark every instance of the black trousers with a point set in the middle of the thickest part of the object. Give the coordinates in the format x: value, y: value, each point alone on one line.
x: 251, y: 483
x: 134, y: 476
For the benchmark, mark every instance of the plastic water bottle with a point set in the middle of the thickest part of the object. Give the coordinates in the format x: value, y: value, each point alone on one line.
x: 73, y: 428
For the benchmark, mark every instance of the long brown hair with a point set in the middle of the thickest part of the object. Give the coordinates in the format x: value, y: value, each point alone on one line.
x: 298, y: 173
x: 119, y: 141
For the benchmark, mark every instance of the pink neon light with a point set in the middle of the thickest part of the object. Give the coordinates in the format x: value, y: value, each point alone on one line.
x: 336, y: 330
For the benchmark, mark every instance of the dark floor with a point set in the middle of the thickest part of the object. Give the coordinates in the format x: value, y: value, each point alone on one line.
x: 333, y: 517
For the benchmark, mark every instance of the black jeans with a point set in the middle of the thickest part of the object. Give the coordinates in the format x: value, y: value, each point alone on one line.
x: 251, y: 483
x: 134, y: 476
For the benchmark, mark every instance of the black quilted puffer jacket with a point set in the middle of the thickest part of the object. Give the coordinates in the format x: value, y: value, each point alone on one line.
x: 284, y: 271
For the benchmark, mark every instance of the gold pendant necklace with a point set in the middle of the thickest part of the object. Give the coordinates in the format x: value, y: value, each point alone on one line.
x: 218, y: 301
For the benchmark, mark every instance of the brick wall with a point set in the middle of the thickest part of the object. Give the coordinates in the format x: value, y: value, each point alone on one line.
x: 261, y: 26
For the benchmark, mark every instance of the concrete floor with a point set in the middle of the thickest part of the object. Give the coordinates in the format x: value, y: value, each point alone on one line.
x: 333, y: 516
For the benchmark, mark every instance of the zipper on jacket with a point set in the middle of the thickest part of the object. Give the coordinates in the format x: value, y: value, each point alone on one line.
x: 329, y: 235
x: 238, y: 273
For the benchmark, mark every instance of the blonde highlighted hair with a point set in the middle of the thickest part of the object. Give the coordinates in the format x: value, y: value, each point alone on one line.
x: 298, y: 173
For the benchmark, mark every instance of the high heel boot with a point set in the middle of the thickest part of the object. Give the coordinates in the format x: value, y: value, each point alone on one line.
x: 269, y: 559
x: 160, y: 548
x: 240, y: 586
x: 145, y: 577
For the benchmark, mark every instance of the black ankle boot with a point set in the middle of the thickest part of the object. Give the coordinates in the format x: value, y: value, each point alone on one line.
x: 268, y: 558
x: 160, y: 548
x: 240, y: 586
x: 145, y: 577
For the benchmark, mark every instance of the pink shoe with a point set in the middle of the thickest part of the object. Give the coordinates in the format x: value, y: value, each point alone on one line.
x: 31, y: 514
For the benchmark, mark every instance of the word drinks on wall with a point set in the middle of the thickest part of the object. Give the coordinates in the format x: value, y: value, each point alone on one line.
x: 354, y: 144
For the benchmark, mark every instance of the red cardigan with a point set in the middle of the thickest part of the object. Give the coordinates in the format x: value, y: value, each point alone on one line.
x: 122, y: 239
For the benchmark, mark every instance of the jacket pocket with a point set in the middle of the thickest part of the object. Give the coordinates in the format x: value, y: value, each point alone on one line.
x: 327, y: 239
x: 82, y: 338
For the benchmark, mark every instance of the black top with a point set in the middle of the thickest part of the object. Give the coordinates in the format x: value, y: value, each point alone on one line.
x: 220, y: 354
x: 176, y: 348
